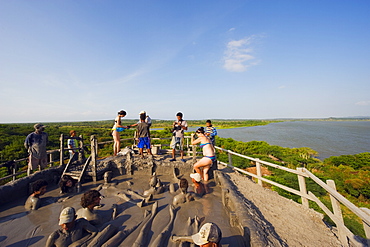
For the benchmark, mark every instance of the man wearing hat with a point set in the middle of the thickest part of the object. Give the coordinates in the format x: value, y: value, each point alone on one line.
x: 35, y: 144
x: 72, y: 230
x: 209, y: 235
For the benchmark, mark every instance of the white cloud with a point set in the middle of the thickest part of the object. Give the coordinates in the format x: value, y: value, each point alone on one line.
x: 238, y: 55
x: 231, y: 29
x: 363, y: 103
x: 282, y: 87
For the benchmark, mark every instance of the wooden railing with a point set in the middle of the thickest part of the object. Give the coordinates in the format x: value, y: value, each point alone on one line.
x: 345, y: 235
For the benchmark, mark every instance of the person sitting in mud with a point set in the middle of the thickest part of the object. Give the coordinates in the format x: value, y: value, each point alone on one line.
x: 184, y: 196
x: 38, y: 189
x: 156, y: 186
x: 72, y: 231
x: 199, y: 188
x: 67, y: 184
x: 89, y: 201
x: 209, y: 235
x: 209, y: 156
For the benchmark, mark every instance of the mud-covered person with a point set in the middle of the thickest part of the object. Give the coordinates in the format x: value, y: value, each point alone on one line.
x: 72, y: 232
x: 35, y: 144
x: 209, y: 235
x: 184, y: 196
x: 33, y: 202
x: 68, y: 184
x: 178, y: 128
x: 89, y: 201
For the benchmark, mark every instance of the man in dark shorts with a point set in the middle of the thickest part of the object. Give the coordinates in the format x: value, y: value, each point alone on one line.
x: 35, y: 144
x: 143, y: 133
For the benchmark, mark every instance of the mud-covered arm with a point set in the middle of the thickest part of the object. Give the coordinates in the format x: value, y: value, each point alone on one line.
x: 90, y: 229
x: 51, y: 239
x: 182, y: 239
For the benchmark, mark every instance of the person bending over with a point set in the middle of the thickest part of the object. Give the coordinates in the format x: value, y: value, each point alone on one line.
x: 38, y: 189
x: 208, y: 153
x: 71, y: 231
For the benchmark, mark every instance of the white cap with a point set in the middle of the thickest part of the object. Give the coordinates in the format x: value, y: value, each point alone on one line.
x: 196, y: 176
x: 209, y: 232
x: 67, y: 215
x: 142, y: 112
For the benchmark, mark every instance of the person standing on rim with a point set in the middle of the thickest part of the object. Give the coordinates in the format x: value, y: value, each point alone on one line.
x: 72, y: 144
x: 35, y: 144
x: 210, y: 132
x: 178, y: 136
x: 117, y: 128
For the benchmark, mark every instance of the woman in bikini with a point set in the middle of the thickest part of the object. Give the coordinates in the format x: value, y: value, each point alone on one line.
x: 208, y: 153
x: 117, y: 128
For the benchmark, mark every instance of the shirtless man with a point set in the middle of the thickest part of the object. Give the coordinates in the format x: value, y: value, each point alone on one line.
x: 38, y: 189
x: 71, y: 231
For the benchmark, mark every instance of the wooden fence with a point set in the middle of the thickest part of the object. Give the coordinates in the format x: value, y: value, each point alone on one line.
x: 345, y: 235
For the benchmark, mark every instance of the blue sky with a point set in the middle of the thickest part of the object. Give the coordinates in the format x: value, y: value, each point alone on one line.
x: 86, y: 60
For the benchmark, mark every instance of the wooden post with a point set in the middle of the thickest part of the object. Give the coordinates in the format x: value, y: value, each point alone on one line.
x: 230, y: 158
x: 81, y: 149
x: 366, y: 226
x: 259, y: 171
x: 194, y: 150
x: 338, y: 213
x: 50, y: 159
x: 302, y: 188
x: 15, y: 170
x: 93, y: 157
x: 61, y: 150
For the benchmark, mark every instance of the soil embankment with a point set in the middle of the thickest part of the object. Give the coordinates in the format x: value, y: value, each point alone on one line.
x: 295, y: 225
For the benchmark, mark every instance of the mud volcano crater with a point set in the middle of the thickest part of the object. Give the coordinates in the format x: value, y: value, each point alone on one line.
x: 139, y: 221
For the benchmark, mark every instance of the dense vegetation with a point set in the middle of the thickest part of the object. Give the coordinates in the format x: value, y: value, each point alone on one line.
x: 351, y: 173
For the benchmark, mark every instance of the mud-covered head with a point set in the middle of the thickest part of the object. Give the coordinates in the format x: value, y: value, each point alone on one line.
x: 90, y: 199
x: 66, y: 182
x: 153, y: 180
x: 39, y: 187
x: 184, y: 185
x: 108, y: 177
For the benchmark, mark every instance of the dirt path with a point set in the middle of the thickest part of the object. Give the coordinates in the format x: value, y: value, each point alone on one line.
x: 296, y: 225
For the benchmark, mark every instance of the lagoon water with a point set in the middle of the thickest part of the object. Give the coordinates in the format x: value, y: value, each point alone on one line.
x: 328, y: 138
